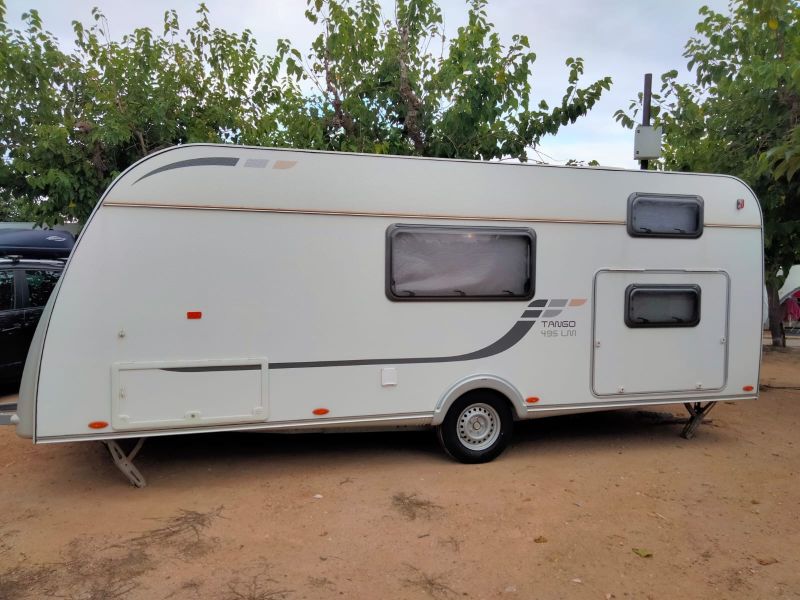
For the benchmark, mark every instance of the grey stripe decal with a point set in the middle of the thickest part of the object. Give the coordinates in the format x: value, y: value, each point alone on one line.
x: 557, y: 303
x: 538, y: 303
x: 514, y: 335
x: 551, y: 313
x: 531, y: 314
x: 207, y: 369
x: 256, y: 163
x: 219, y: 161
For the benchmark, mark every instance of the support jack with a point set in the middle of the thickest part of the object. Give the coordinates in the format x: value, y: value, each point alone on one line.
x: 124, y: 461
x: 697, y: 412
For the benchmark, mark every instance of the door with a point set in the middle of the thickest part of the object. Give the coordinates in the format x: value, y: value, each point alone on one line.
x: 659, y: 332
x: 12, y: 320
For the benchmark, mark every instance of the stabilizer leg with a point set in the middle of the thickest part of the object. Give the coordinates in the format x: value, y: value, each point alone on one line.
x: 124, y: 461
x: 697, y: 412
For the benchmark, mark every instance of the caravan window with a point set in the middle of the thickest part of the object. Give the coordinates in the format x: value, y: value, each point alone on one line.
x: 662, y: 305
x: 430, y: 262
x: 657, y: 215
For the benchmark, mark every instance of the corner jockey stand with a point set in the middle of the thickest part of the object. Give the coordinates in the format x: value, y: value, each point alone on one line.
x: 697, y: 412
x: 124, y: 461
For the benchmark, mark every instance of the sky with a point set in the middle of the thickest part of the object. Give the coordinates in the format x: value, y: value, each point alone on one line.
x: 621, y: 38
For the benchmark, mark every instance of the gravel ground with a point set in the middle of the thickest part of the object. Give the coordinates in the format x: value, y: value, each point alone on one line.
x: 605, y: 505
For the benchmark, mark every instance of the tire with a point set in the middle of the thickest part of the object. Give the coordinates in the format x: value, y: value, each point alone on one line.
x: 477, y: 428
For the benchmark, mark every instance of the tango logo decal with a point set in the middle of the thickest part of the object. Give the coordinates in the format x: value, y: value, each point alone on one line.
x: 547, y: 311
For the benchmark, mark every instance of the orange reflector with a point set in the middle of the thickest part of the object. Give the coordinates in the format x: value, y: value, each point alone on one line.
x: 194, y: 314
x: 748, y: 388
x: 320, y: 411
x: 98, y: 425
x: 532, y: 400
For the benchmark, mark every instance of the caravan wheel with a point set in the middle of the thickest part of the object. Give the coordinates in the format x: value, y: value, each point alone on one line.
x: 477, y: 428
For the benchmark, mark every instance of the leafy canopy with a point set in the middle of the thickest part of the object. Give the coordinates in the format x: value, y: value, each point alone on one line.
x: 71, y: 122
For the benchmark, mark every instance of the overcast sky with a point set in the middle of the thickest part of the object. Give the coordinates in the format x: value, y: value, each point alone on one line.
x: 620, y: 38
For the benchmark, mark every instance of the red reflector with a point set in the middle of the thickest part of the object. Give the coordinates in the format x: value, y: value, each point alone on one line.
x: 98, y: 425
x: 532, y: 400
x: 194, y: 314
x: 320, y: 411
x: 748, y: 388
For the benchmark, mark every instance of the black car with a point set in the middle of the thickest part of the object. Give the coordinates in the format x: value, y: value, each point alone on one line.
x: 29, y: 270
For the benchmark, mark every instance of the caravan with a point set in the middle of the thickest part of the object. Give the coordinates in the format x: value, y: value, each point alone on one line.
x: 220, y: 288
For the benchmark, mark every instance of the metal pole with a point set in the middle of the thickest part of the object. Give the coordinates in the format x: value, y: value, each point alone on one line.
x: 646, y: 97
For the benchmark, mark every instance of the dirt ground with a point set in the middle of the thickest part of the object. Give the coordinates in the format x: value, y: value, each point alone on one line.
x: 606, y: 505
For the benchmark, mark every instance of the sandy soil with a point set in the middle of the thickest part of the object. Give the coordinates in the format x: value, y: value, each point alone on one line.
x: 607, y: 505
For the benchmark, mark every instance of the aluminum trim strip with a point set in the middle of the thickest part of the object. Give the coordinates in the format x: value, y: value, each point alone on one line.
x: 342, y: 213
x: 391, y: 215
x: 400, y: 419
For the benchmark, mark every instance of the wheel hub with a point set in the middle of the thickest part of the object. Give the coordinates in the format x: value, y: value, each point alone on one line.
x: 478, y: 426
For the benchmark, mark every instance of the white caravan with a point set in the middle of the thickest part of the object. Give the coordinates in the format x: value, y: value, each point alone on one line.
x: 220, y: 288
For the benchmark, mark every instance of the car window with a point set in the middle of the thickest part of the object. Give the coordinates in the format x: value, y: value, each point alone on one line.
x: 40, y: 284
x: 6, y: 290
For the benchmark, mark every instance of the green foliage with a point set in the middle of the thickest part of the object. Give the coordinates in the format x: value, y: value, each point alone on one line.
x: 740, y: 116
x: 69, y: 123
x: 398, y: 87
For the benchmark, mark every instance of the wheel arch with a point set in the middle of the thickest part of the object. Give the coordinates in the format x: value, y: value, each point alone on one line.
x: 478, y: 382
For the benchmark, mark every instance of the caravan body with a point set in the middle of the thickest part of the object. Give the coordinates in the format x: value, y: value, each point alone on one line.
x: 238, y: 288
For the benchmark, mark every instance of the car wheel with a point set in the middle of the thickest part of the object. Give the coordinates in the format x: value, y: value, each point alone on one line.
x: 477, y: 428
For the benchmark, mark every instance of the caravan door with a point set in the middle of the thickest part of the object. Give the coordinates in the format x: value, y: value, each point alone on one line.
x: 659, y: 332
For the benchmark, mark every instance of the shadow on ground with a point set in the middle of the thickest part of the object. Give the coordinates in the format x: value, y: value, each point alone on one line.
x: 630, y: 427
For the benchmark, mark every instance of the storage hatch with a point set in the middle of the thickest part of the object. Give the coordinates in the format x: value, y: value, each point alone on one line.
x: 179, y: 394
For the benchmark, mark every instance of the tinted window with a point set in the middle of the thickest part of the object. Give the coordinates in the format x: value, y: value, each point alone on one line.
x: 6, y: 290
x: 665, y: 216
x: 662, y: 306
x: 433, y: 262
x: 40, y: 284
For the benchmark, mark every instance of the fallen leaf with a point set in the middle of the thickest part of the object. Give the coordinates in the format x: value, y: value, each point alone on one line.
x: 642, y: 553
x: 540, y: 540
x: 766, y: 561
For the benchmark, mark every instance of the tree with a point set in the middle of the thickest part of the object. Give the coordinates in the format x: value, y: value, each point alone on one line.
x: 740, y: 117
x: 379, y: 86
x: 69, y: 123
